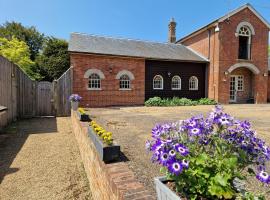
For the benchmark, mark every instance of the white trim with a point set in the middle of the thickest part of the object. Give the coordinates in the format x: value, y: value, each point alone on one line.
x: 249, y: 25
x: 250, y: 7
x: 179, y: 79
x: 123, y: 72
x: 161, y: 83
x: 249, y: 66
x: 94, y: 71
x: 94, y: 89
x: 125, y: 89
x: 196, y: 83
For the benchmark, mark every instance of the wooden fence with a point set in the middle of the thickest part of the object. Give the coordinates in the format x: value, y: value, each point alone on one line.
x: 62, y: 90
x: 26, y: 98
x: 16, y: 91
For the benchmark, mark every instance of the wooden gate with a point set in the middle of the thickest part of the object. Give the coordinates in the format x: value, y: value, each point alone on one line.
x: 44, y: 105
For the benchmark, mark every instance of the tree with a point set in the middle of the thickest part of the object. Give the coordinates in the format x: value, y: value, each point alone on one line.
x: 18, y: 52
x: 54, y: 59
x: 29, y: 35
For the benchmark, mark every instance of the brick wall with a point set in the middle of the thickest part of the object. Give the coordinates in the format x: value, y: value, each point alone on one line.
x: 107, y: 181
x: 207, y: 44
x: 222, y: 49
x: 109, y: 94
x: 268, y: 89
x: 229, y: 53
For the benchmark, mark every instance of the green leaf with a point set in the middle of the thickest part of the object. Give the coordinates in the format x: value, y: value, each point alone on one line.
x: 201, y: 159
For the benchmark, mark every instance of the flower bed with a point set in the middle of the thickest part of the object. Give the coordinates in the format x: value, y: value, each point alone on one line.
x: 107, y: 150
x: 83, y: 116
x: 210, y: 157
x: 157, y: 101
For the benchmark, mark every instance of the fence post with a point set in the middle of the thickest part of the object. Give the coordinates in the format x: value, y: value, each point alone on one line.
x: 55, y: 98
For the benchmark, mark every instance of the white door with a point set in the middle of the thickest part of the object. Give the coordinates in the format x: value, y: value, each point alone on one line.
x: 233, y: 87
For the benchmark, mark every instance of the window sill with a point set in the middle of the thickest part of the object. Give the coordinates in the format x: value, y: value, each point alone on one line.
x: 244, y: 60
x: 94, y: 89
x: 193, y: 89
x: 176, y: 88
x: 125, y: 89
x: 157, y: 88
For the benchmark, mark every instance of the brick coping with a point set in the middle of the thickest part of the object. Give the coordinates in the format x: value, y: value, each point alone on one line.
x: 107, y: 181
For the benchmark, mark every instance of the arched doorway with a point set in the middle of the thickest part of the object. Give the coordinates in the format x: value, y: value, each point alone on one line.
x: 241, y: 88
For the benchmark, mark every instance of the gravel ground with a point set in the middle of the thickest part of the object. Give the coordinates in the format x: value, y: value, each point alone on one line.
x: 39, y: 159
x: 131, y: 127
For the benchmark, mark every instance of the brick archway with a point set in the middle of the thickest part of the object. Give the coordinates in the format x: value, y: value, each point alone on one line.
x: 249, y: 66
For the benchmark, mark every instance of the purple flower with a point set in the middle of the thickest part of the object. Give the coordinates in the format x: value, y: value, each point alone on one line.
x: 75, y: 98
x: 182, y: 149
x: 185, y: 163
x: 164, y: 158
x: 172, y: 153
x: 263, y: 177
x: 195, y: 131
x: 175, y: 168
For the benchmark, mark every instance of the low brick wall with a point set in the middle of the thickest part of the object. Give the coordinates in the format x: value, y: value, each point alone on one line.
x: 107, y: 181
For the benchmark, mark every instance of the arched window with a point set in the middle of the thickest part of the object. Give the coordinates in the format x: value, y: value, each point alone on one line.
x: 244, y: 35
x: 158, y: 82
x: 193, y: 83
x: 124, y: 82
x: 176, y: 83
x: 94, y: 81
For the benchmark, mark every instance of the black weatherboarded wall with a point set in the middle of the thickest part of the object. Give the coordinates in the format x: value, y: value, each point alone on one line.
x: 183, y: 69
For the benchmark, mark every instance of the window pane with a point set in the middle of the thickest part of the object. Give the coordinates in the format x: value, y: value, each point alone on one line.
x: 124, y: 82
x: 94, y: 81
x: 158, y: 82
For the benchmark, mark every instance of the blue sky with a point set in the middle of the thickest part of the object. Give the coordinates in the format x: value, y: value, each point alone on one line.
x: 138, y: 19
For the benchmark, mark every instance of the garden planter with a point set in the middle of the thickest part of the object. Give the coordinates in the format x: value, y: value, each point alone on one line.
x: 106, y: 152
x: 83, y: 117
x: 163, y: 192
x: 74, y: 105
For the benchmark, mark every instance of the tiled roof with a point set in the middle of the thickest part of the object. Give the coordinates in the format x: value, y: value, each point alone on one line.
x: 84, y: 43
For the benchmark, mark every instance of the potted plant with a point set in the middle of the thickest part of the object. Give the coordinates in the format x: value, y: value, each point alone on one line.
x: 208, y: 158
x: 102, y: 139
x: 75, y: 99
x: 83, y: 116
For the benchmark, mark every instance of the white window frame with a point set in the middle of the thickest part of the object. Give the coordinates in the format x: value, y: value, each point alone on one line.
x: 125, y: 80
x: 247, y: 34
x: 90, y: 84
x: 160, y: 88
x: 238, y: 78
x: 178, y: 83
x: 196, y: 83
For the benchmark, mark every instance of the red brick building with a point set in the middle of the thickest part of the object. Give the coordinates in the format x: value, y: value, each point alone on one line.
x: 226, y: 60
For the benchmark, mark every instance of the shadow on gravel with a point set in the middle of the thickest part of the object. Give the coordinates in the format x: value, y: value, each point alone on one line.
x: 14, y: 136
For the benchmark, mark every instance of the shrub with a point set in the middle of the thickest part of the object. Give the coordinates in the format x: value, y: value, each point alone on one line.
x: 210, y: 157
x: 175, y: 101
x: 102, y: 133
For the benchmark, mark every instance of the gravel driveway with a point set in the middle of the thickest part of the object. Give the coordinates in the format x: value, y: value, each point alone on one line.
x: 39, y: 159
x: 131, y: 127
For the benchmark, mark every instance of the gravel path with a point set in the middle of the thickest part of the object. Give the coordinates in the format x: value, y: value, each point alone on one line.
x: 39, y: 159
x: 131, y: 127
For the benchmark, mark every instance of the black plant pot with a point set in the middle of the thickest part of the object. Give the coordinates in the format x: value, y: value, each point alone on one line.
x: 84, y: 117
x: 107, y: 153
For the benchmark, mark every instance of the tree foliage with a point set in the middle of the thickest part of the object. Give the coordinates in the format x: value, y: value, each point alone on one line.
x: 18, y: 52
x: 54, y: 60
x: 29, y: 35
x: 41, y: 57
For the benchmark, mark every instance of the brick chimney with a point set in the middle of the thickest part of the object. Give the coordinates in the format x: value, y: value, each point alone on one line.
x: 171, y: 35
